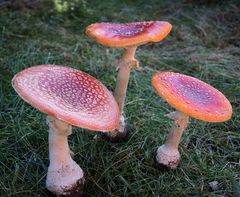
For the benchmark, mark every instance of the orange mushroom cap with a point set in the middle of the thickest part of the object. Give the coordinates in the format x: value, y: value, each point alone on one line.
x: 129, y: 34
x: 192, y: 96
x: 69, y: 95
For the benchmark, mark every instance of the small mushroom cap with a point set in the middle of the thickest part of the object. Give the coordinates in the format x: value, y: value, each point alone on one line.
x: 129, y: 34
x: 69, y: 95
x: 192, y: 96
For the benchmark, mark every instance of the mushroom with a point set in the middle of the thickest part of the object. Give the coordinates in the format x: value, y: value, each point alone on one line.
x: 127, y: 36
x: 190, y: 97
x: 69, y: 97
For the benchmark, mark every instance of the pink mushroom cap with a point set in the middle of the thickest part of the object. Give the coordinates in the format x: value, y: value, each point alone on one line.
x: 128, y: 34
x: 69, y: 95
x: 192, y: 96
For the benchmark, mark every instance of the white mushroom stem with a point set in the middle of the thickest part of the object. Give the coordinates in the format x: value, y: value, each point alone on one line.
x: 64, y: 175
x: 168, y: 154
x: 124, y: 68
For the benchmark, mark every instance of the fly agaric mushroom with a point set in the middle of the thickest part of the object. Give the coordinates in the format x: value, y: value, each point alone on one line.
x: 127, y: 36
x: 69, y: 97
x: 190, y: 97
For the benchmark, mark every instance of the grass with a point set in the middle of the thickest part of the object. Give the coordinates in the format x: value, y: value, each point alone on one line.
x: 204, y: 43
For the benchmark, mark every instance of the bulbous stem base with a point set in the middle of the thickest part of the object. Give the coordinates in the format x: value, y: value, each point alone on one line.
x: 167, y: 158
x: 67, y: 180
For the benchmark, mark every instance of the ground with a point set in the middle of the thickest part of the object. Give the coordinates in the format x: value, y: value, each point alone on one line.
x: 204, y: 43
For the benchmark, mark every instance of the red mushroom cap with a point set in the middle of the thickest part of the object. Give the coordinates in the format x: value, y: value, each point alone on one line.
x: 129, y: 34
x: 69, y: 95
x: 192, y: 96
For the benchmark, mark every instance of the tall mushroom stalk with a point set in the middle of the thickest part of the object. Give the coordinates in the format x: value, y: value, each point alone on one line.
x: 124, y: 67
x: 69, y: 97
x: 191, y: 97
x: 64, y: 175
x: 127, y: 36
x: 168, y: 154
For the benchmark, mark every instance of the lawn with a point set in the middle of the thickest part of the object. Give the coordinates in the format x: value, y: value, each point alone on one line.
x: 204, y: 43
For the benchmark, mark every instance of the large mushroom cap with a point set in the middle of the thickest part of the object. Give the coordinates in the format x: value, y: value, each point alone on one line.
x: 69, y: 95
x: 192, y: 96
x: 129, y: 34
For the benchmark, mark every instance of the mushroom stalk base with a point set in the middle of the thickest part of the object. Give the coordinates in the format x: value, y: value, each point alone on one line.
x: 168, y: 155
x: 119, y: 134
x: 124, y: 67
x: 64, y: 176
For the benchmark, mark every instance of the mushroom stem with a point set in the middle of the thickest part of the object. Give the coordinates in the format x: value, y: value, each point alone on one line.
x: 180, y: 123
x: 124, y: 68
x: 64, y: 176
x: 167, y: 155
